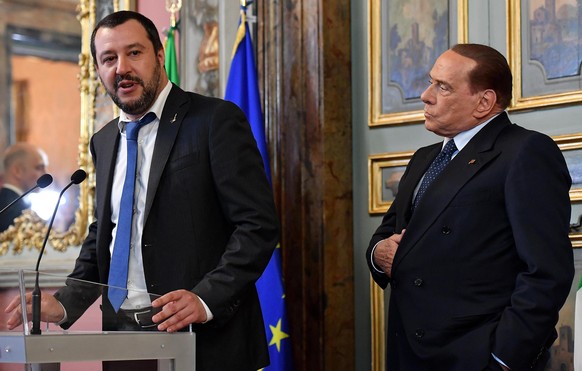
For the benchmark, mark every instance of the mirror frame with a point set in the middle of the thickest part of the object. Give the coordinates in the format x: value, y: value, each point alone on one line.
x: 29, y: 230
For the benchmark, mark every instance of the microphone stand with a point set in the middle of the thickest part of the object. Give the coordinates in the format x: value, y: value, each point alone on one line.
x: 77, y: 177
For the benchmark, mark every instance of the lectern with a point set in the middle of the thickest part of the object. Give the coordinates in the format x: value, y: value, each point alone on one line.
x: 174, y: 352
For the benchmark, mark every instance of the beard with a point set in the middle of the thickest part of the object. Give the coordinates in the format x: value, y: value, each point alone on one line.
x: 145, y: 101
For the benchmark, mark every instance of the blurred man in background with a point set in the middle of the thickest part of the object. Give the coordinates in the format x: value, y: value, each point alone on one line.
x: 24, y: 163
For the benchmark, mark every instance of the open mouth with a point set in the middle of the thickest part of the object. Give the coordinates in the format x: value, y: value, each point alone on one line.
x: 126, y: 82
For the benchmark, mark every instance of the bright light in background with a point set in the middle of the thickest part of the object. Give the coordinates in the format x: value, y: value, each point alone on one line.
x: 43, y: 202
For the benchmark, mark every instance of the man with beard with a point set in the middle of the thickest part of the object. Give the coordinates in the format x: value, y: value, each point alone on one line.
x: 204, y: 224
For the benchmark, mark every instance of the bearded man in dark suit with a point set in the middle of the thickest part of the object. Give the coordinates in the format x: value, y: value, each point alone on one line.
x: 479, y: 261
x: 204, y: 220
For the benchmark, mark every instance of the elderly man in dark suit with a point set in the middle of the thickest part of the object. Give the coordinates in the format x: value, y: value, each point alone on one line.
x: 475, y: 250
x: 204, y: 223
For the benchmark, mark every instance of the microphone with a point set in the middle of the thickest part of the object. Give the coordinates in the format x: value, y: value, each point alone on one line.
x: 42, y: 182
x: 77, y: 177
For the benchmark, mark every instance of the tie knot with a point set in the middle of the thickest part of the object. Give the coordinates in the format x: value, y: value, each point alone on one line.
x: 450, y: 148
x: 132, y: 127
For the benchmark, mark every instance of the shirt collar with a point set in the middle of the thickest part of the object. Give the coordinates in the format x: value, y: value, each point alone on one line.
x: 157, y: 107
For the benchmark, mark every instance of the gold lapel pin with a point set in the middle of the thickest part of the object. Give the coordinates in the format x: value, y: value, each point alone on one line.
x: 174, y: 119
x: 472, y: 162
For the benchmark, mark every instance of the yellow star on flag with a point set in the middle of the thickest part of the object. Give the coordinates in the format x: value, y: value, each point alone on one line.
x: 278, y: 335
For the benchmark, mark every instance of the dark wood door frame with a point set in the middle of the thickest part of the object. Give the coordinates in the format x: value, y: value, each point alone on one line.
x: 304, y: 59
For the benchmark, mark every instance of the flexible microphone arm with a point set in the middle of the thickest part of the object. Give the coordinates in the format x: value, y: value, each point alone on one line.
x: 41, y: 182
x: 77, y: 177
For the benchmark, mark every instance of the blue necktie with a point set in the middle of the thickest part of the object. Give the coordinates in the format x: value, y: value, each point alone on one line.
x: 438, y: 165
x: 120, y: 260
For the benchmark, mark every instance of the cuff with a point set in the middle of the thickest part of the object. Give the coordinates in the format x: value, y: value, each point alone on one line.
x: 372, y: 259
x: 209, y: 315
x: 65, y: 317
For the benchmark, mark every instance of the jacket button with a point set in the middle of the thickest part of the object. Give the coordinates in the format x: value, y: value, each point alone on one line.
x: 418, y: 282
x: 446, y: 230
x: 419, y: 333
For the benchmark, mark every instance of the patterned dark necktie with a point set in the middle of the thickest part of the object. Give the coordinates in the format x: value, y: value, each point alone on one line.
x: 120, y: 260
x: 439, y: 163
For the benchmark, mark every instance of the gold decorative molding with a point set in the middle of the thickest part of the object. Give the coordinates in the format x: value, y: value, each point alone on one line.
x: 378, y: 322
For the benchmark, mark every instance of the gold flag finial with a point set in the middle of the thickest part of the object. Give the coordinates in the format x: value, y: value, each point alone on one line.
x: 173, y: 6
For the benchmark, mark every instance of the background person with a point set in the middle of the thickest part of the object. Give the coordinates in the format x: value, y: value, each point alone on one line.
x: 24, y: 163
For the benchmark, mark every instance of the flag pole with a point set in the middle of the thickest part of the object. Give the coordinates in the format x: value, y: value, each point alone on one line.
x: 171, y: 59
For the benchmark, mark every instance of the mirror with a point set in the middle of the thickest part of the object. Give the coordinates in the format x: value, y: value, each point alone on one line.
x: 40, y: 104
x: 47, y: 43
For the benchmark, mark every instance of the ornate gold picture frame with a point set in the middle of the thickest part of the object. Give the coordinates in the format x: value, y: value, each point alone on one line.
x: 384, y: 172
x: 571, y: 146
x: 399, y: 60
x: 534, y: 38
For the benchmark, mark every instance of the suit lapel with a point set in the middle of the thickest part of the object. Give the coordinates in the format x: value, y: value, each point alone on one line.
x: 105, y: 167
x: 173, y: 114
x: 475, y: 155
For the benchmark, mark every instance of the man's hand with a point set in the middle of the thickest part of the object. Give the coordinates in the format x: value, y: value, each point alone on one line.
x: 179, y: 309
x: 385, y: 251
x: 50, y: 310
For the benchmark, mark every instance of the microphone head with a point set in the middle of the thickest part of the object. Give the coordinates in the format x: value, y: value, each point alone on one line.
x: 44, y: 181
x: 78, y: 176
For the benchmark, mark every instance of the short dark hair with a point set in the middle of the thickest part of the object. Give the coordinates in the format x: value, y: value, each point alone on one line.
x: 115, y: 19
x: 491, y: 71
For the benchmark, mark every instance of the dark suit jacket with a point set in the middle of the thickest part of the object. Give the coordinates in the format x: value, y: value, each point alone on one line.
x: 7, y: 218
x: 210, y: 225
x: 485, y: 263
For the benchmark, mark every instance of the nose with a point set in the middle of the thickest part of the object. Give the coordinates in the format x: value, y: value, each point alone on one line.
x: 427, y: 95
x: 122, y: 66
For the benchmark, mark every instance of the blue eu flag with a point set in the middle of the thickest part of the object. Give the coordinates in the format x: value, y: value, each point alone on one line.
x: 243, y: 89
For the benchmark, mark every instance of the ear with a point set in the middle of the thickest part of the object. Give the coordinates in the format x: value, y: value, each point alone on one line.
x: 18, y: 170
x: 485, y: 104
x: 161, y: 56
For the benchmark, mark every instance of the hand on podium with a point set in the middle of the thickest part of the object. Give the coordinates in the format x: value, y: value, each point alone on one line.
x: 179, y: 309
x: 51, y: 310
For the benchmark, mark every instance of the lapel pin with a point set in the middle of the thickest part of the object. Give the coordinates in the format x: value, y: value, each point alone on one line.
x: 472, y: 162
x: 174, y: 119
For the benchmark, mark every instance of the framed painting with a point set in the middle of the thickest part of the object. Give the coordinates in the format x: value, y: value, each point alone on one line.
x: 545, y: 52
x: 406, y: 37
x: 571, y: 146
x: 562, y: 351
x: 576, y: 225
x: 384, y: 173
